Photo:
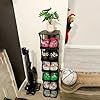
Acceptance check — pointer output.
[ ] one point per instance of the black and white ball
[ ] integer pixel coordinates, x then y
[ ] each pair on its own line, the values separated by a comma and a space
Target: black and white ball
68, 77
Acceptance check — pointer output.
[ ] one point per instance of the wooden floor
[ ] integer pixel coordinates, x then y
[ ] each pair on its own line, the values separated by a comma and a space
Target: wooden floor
37, 96
65, 96
82, 94
61, 96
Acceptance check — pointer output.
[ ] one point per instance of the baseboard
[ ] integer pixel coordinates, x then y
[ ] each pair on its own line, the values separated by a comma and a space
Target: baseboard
83, 46
11, 73
23, 85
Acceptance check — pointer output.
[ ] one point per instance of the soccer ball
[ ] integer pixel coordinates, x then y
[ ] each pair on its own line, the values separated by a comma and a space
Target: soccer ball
68, 77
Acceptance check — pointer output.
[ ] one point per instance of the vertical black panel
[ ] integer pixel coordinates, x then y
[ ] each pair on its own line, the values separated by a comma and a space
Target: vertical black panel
9, 39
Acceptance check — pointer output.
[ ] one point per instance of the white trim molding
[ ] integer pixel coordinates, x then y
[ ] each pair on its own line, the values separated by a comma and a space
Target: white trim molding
10, 70
23, 85
83, 46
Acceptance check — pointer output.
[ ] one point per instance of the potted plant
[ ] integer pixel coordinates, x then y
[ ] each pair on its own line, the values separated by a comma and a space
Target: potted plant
49, 16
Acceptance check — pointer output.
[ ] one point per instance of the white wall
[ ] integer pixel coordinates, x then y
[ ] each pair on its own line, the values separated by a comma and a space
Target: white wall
29, 24
82, 60
87, 27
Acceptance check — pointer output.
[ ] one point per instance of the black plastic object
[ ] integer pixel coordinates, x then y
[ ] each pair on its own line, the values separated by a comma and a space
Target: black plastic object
49, 45
6, 99
32, 85
20, 98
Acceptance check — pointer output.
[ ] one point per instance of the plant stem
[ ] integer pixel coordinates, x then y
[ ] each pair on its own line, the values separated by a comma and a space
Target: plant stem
50, 21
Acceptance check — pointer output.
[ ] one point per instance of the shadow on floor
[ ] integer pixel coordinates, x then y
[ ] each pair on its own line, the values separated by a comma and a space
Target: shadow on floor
20, 99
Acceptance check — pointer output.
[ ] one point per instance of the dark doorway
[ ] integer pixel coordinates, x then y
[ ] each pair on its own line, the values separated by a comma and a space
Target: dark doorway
9, 39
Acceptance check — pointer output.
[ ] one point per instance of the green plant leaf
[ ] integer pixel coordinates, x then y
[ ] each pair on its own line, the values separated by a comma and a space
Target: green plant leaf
49, 16
47, 9
56, 15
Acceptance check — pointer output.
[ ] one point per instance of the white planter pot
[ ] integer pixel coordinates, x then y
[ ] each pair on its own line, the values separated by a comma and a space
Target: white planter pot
50, 27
